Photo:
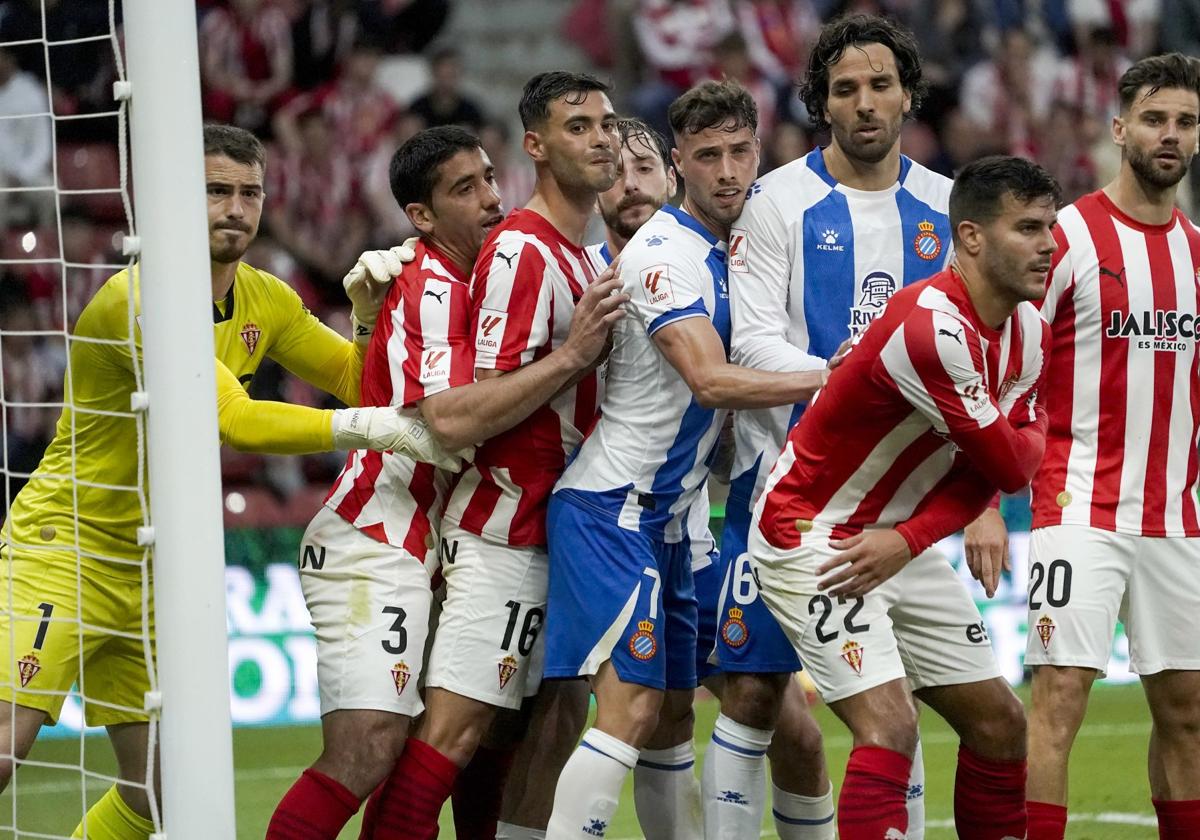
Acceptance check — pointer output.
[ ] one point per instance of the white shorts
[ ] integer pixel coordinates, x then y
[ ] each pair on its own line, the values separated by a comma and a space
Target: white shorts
922, 623
488, 643
1082, 580
370, 606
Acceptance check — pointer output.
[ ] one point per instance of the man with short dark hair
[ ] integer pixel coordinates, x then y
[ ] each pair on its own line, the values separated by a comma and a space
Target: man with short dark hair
932, 410
622, 608
1116, 529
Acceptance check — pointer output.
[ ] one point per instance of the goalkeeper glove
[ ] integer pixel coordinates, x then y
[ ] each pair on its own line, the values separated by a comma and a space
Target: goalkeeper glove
367, 284
383, 429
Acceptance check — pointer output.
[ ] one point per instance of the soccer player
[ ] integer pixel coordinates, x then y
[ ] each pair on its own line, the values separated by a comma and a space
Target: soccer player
1116, 532
70, 552
932, 410
376, 536
822, 244
526, 281
622, 608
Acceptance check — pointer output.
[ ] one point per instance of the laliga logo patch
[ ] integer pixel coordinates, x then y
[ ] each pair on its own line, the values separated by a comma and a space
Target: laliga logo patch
28, 667
734, 631
656, 285
927, 244
507, 667
1045, 630
435, 364
400, 676
490, 332
250, 334
852, 652
739, 250
642, 644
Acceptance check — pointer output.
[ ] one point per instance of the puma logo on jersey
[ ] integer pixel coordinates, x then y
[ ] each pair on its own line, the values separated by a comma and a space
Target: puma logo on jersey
507, 259
439, 295
1119, 276
957, 336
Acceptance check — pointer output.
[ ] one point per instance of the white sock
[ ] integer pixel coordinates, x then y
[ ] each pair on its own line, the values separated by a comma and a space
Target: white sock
916, 796
589, 787
734, 781
508, 831
667, 794
802, 817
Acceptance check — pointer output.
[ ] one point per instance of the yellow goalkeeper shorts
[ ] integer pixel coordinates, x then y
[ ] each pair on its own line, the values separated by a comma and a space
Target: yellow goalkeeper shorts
64, 624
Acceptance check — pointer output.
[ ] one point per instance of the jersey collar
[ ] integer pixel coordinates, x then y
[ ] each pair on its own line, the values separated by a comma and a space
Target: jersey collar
690, 223
221, 317
816, 162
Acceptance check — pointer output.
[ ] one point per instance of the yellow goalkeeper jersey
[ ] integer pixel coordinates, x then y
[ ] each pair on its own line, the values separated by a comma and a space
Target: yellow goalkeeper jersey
85, 490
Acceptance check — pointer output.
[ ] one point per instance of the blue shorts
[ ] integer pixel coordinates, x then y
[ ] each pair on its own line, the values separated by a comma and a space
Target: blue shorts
748, 638
618, 595
708, 595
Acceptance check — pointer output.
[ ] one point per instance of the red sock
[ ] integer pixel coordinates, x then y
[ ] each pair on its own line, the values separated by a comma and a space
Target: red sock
478, 792
989, 797
408, 803
316, 807
1046, 821
874, 794
1178, 819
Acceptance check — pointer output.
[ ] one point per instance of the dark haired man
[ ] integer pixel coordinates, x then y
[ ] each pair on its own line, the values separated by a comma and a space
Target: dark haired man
376, 535
72, 553
527, 280
622, 604
932, 410
1116, 530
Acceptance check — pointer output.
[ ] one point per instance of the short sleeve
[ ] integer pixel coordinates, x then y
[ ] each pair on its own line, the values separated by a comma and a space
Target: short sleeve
663, 291
511, 304
430, 348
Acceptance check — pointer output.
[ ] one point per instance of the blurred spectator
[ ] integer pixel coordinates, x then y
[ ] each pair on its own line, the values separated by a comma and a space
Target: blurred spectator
390, 225
403, 25
514, 172
777, 34
25, 144
1088, 80
323, 33
1133, 22
358, 111
313, 205
950, 38
789, 142
960, 144
246, 62
1063, 147
732, 61
1007, 96
445, 103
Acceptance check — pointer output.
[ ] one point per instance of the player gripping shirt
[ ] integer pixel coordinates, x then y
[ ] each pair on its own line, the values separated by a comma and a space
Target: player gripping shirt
812, 263
54, 523
526, 282
368, 560
908, 434
621, 582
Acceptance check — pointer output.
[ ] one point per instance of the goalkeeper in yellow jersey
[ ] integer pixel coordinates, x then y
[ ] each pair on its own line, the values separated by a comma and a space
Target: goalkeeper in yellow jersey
77, 600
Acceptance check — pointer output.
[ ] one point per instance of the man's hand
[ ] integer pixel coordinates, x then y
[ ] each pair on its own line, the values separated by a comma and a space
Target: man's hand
595, 314
367, 284
384, 429
839, 355
985, 543
870, 558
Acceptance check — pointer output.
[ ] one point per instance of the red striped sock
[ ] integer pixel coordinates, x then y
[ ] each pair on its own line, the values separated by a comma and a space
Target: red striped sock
873, 801
989, 797
1178, 819
478, 793
1046, 821
316, 807
408, 803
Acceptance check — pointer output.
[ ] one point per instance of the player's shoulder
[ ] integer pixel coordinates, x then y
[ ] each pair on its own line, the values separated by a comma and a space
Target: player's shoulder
107, 313
522, 239
925, 185
791, 188
669, 236
264, 297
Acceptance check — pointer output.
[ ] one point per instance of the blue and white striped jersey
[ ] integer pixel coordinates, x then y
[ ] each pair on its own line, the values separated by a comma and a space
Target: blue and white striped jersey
649, 453
811, 263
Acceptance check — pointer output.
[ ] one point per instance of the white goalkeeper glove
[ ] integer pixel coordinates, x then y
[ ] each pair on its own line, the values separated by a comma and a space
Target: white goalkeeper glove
367, 284
383, 429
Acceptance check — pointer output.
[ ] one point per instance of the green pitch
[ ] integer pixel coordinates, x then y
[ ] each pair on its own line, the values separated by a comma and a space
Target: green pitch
1110, 796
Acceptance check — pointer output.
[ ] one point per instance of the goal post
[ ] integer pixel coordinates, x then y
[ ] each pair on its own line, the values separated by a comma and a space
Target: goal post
182, 441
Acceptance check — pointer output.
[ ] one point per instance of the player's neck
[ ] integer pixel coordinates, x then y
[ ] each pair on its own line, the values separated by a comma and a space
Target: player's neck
859, 174
222, 278
1140, 201
991, 306
616, 242
712, 225
461, 257
568, 212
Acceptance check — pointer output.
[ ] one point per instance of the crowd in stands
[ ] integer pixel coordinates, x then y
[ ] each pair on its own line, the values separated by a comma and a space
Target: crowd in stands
335, 86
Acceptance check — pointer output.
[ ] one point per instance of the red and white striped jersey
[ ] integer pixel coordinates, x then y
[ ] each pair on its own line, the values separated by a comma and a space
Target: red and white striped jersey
524, 288
882, 440
1124, 374
421, 346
